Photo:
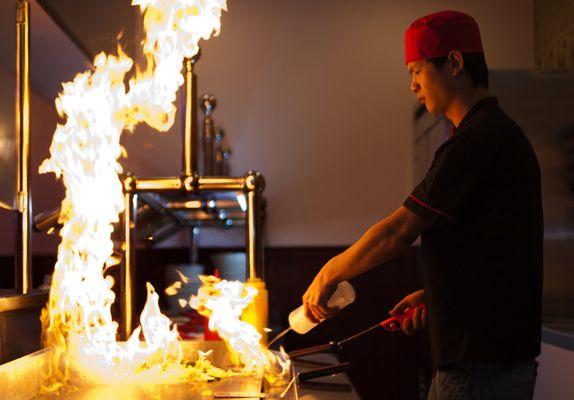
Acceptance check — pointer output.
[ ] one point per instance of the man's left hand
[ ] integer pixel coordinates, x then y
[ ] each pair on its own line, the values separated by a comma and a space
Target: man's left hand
419, 319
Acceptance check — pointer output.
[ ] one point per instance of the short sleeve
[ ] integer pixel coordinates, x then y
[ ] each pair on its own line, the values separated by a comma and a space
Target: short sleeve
455, 174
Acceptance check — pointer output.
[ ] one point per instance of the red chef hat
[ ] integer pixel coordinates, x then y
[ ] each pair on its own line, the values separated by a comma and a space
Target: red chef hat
435, 35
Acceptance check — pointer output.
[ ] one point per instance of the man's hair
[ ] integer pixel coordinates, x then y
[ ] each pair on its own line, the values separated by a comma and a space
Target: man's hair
474, 65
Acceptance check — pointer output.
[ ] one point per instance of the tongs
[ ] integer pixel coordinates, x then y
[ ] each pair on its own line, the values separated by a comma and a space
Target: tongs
392, 324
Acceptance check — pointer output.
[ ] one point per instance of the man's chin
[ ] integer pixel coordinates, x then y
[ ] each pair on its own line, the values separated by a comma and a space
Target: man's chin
433, 110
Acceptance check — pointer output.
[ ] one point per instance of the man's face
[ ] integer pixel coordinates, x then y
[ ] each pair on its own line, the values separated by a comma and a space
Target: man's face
431, 85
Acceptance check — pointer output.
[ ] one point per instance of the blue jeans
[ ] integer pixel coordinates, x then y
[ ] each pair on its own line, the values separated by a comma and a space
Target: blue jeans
484, 381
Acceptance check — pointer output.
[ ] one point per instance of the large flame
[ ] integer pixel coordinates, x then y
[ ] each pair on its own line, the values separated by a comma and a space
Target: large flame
223, 302
97, 108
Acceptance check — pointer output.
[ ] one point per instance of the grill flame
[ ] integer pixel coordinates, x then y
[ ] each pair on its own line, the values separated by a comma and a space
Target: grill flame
223, 302
97, 107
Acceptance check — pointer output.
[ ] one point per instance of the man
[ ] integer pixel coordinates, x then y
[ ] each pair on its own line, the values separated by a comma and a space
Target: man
478, 212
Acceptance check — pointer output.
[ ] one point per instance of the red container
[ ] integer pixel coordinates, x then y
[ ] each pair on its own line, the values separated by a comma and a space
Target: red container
208, 334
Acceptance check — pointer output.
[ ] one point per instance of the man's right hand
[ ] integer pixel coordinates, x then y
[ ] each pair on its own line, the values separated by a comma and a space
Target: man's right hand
380, 243
319, 292
419, 319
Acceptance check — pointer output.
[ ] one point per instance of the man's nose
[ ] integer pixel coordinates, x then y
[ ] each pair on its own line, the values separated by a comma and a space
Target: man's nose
414, 86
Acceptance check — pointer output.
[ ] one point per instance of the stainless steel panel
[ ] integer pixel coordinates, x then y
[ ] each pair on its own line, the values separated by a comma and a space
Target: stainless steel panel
96, 28
8, 154
8, 138
22, 380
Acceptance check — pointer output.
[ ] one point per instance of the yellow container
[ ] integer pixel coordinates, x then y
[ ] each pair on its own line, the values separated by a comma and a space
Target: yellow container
257, 312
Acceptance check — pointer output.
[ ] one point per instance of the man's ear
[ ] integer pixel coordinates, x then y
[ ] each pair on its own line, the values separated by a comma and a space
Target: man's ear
456, 62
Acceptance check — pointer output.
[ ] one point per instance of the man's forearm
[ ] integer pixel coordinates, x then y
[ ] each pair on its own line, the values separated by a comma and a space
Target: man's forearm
379, 244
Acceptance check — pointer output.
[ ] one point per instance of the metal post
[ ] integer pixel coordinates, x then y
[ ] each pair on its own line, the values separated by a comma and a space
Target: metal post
23, 265
190, 145
194, 244
254, 185
127, 272
207, 105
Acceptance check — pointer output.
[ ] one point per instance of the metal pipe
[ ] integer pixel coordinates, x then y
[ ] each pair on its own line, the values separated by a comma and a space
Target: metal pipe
127, 271
160, 206
223, 184
158, 184
163, 233
194, 244
216, 218
226, 153
254, 184
208, 105
203, 184
199, 204
218, 152
196, 204
23, 265
47, 220
190, 145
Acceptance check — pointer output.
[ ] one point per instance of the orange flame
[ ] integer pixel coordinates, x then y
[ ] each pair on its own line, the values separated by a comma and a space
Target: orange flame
85, 150
223, 302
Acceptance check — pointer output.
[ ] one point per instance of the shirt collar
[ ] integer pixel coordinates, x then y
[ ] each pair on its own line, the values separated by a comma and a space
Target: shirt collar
475, 110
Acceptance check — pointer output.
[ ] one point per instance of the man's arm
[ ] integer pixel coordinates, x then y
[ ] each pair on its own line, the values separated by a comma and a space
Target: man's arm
380, 243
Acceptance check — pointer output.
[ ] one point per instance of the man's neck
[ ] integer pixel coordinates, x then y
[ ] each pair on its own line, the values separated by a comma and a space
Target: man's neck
462, 103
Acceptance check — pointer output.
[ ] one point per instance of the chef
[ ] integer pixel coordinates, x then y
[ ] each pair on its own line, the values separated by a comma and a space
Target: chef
478, 212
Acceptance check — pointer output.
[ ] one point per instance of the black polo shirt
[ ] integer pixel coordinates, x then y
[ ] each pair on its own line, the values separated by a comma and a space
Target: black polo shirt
482, 255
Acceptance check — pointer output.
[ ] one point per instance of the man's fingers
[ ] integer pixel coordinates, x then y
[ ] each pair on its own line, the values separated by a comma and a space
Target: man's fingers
318, 313
408, 326
309, 314
312, 314
417, 322
328, 312
424, 317
400, 307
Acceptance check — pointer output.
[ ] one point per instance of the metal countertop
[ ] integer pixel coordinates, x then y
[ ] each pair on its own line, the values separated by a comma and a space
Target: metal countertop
334, 387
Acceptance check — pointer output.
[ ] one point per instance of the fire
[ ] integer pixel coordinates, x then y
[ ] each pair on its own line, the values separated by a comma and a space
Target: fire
223, 302
97, 107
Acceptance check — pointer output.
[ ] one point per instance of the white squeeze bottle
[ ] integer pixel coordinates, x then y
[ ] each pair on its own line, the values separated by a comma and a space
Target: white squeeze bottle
342, 297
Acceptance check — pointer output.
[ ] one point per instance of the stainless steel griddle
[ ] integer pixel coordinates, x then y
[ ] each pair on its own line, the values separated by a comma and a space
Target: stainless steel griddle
22, 380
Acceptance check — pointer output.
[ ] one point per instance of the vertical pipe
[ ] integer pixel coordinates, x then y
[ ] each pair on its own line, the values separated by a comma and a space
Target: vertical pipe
208, 147
257, 312
208, 105
127, 273
252, 234
218, 153
194, 245
190, 147
23, 265
254, 186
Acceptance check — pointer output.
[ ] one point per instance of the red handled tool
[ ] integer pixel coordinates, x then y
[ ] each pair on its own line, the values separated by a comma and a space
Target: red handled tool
392, 324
